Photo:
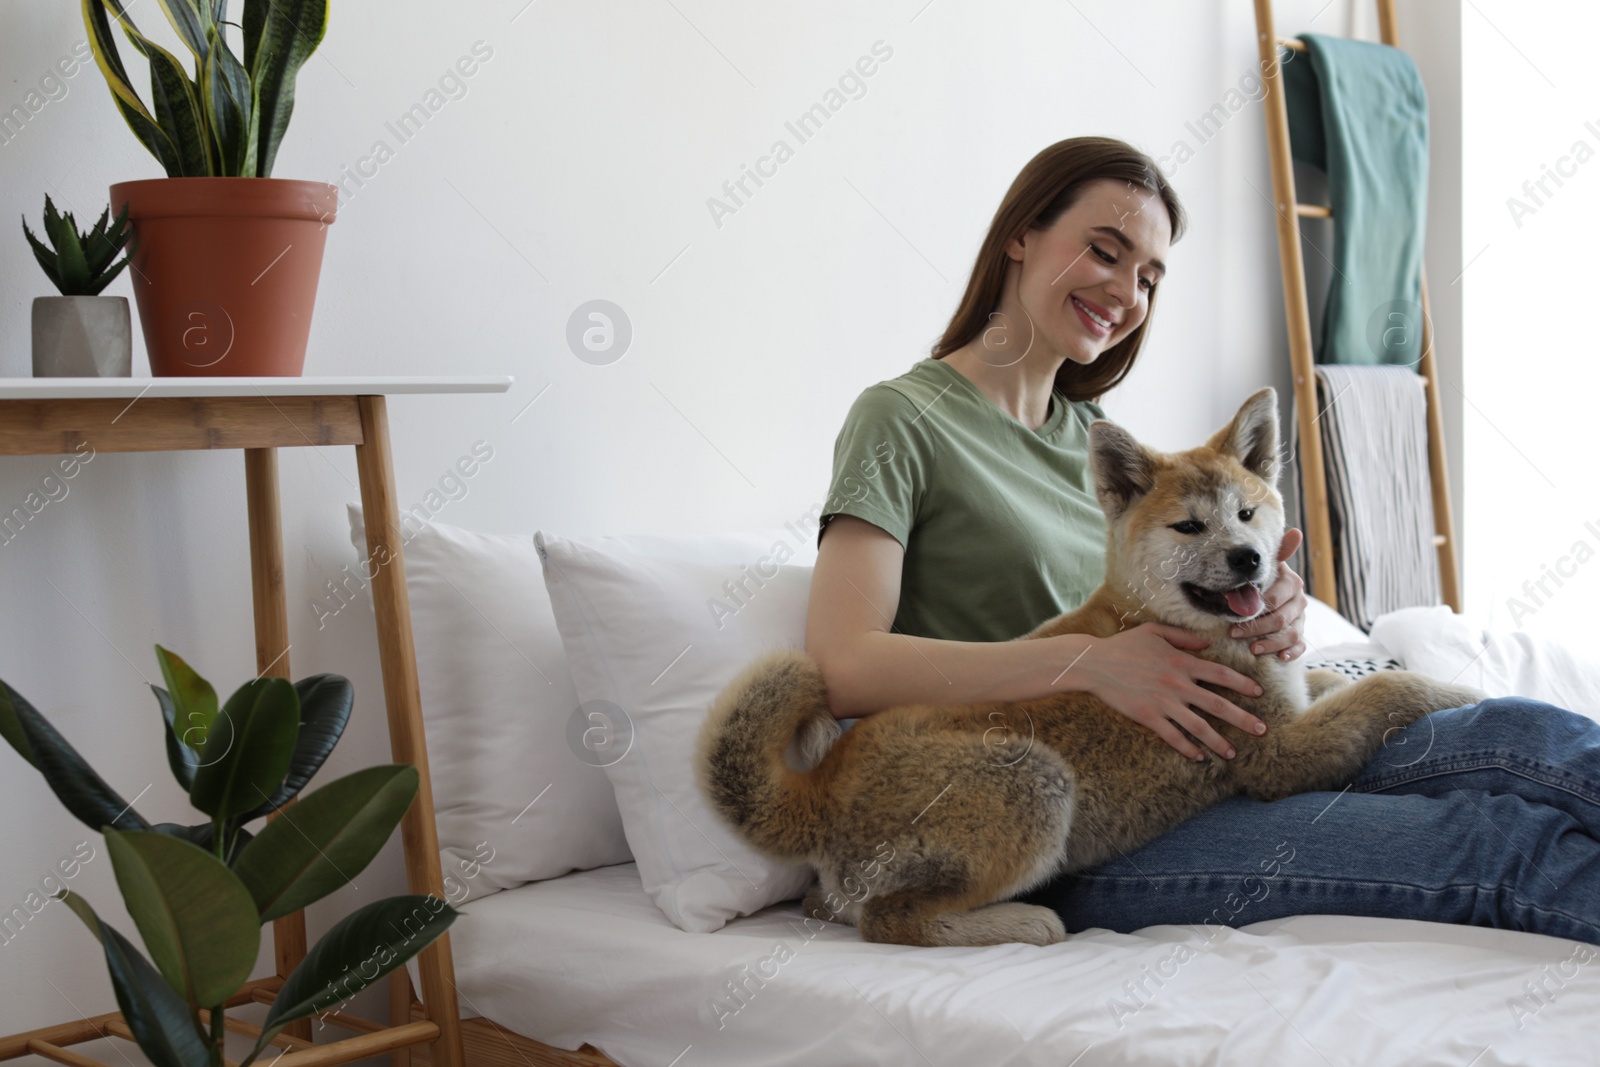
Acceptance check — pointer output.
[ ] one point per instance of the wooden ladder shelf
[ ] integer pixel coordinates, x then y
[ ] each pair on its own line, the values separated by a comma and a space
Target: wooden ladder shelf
1289, 210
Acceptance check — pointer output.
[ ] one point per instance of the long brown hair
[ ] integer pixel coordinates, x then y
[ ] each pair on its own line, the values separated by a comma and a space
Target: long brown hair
1045, 188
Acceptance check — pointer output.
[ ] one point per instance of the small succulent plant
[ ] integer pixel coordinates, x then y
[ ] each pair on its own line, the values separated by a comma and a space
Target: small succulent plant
81, 263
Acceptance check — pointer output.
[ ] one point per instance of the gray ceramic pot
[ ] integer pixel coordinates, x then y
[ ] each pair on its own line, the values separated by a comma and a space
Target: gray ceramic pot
82, 337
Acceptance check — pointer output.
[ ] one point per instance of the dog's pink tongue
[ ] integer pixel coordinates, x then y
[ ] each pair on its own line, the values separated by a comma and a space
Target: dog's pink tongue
1244, 601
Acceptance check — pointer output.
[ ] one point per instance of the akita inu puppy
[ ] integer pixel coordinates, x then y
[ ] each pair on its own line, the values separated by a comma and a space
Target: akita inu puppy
923, 820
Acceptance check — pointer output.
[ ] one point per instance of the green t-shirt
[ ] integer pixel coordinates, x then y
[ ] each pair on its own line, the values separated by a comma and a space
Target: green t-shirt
1000, 524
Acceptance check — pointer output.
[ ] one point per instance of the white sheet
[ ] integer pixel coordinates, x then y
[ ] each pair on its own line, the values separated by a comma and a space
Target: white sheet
1442, 644
588, 957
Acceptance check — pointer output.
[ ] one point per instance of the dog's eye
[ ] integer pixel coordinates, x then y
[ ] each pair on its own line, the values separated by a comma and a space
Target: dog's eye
1189, 526
1247, 514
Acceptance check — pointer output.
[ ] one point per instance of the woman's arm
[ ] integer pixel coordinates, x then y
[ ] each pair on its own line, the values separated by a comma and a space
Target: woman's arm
855, 591
1142, 673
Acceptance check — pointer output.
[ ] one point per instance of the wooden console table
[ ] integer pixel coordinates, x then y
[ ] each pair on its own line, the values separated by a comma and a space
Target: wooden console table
260, 415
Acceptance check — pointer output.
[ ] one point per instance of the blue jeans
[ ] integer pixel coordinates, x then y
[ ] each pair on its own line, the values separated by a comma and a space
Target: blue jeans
1485, 815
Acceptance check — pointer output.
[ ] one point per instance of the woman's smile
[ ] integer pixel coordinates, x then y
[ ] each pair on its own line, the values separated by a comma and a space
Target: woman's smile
1096, 319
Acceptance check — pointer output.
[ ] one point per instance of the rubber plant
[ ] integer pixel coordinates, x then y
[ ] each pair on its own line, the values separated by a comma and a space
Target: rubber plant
227, 117
200, 893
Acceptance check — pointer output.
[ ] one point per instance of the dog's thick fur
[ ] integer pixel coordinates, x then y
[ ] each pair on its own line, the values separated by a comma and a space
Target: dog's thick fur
923, 820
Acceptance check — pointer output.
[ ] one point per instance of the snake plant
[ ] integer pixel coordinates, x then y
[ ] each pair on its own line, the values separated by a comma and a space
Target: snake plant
80, 264
229, 117
200, 894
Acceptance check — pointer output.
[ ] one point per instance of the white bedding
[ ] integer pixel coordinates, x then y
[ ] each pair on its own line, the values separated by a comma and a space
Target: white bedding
589, 957
1440, 643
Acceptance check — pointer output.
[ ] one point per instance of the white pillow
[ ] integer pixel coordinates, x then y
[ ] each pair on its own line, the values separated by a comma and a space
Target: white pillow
496, 698
1441, 644
516, 798
650, 643
1325, 628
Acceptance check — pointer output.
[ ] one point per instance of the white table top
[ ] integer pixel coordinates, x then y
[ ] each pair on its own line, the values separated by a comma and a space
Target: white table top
85, 388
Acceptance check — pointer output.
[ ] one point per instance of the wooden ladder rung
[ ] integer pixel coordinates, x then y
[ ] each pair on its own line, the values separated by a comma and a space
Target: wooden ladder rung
62, 1055
1293, 43
1313, 211
356, 1048
117, 1028
1440, 539
239, 1026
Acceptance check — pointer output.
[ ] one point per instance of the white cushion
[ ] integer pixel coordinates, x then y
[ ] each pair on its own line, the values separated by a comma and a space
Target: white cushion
1324, 628
496, 698
650, 643
1441, 644
514, 799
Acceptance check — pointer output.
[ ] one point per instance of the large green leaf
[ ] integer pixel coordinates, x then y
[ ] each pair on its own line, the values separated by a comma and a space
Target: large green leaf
198, 920
190, 23
226, 98
279, 36
177, 108
140, 121
203, 835
160, 1020
193, 699
189, 708
80, 790
355, 953
180, 757
246, 752
253, 22
325, 703
319, 844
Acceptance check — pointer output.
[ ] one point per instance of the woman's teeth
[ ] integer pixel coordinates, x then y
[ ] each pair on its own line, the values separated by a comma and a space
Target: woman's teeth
1102, 322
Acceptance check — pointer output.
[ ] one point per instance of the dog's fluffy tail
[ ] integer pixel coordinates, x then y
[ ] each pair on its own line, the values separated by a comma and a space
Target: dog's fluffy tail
741, 759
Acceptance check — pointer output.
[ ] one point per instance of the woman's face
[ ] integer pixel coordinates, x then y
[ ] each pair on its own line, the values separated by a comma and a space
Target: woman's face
1086, 280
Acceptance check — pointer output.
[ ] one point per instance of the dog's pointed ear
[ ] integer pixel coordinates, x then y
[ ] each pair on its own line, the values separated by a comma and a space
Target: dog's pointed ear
1124, 470
1252, 436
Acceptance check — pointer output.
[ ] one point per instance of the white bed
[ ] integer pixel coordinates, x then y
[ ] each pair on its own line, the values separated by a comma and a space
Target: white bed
644, 966
588, 957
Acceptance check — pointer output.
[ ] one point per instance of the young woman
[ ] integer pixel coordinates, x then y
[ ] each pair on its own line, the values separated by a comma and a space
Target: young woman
962, 514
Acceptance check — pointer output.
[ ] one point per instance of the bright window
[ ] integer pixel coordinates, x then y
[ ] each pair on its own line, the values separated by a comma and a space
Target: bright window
1531, 380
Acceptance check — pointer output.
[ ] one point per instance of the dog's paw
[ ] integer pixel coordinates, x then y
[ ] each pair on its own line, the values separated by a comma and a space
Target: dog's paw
1320, 680
1455, 695
1042, 929
1000, 924
815, 905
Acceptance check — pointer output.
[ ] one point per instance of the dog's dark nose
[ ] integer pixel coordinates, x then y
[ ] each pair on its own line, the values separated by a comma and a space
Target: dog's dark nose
1244, 559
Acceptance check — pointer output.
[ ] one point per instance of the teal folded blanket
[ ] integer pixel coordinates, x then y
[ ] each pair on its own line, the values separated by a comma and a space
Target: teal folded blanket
1359, 112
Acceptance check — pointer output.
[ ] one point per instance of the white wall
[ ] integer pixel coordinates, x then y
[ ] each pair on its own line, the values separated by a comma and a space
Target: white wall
577, 166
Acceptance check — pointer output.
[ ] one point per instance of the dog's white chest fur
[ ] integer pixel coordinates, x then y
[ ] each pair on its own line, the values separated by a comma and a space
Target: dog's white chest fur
1284, 682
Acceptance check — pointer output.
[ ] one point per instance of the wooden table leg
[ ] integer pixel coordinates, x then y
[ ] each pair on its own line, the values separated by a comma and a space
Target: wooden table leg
272, 651
392, 605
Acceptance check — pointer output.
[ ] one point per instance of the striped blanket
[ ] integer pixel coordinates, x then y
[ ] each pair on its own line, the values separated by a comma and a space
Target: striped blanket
1373, 425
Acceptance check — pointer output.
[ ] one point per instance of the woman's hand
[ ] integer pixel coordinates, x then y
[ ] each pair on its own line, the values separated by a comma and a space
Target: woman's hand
1146, 674
1278, 626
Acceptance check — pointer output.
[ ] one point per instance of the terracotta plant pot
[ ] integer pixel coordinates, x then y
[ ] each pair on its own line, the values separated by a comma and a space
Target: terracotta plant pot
226, 271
